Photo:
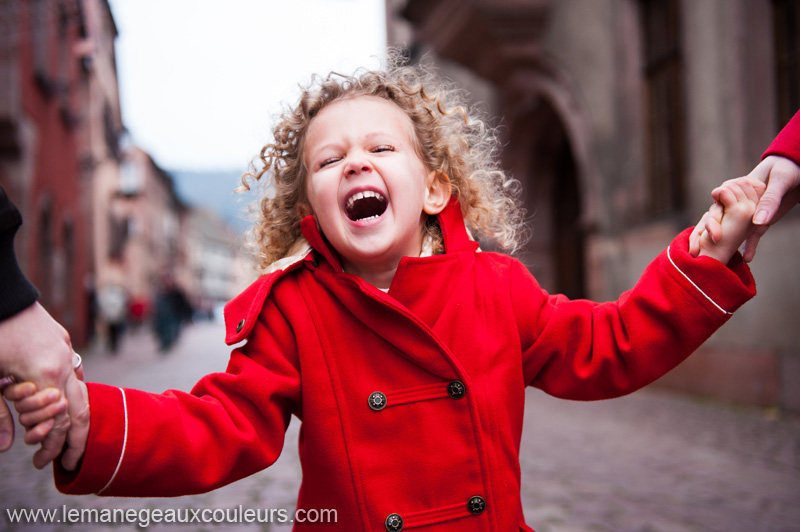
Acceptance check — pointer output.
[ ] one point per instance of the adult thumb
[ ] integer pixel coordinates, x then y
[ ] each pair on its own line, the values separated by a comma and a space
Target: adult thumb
767, 207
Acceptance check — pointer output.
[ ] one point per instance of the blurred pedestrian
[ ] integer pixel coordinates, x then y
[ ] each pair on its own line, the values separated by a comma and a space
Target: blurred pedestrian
112, 303
172, 310
138, 311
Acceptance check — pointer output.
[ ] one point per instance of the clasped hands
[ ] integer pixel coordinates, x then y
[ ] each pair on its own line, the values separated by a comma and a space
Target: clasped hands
37, 349
782, 178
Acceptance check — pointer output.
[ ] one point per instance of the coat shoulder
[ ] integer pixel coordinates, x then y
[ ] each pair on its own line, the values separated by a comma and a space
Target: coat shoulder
242, 311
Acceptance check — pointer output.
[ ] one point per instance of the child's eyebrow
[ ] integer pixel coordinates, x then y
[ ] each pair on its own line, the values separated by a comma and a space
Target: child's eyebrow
329, 145
391, 137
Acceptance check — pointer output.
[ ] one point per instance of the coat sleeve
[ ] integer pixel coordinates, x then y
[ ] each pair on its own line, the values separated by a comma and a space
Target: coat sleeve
787, 143
584, 350
231, 425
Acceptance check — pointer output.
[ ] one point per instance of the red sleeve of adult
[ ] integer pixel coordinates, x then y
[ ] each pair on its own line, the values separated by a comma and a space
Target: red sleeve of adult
787, 143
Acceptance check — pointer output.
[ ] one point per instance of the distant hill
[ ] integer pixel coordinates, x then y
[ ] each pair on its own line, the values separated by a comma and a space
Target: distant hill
214, 191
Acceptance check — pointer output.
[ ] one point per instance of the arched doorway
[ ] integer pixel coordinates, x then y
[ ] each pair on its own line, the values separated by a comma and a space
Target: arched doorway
556, 252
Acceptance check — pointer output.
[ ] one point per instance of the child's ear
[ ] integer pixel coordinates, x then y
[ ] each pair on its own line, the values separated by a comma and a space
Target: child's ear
437, 194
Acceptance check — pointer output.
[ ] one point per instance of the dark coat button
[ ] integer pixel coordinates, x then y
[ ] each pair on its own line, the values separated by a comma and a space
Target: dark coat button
377, 401
394, 523
476, 505
239, 326
456, 389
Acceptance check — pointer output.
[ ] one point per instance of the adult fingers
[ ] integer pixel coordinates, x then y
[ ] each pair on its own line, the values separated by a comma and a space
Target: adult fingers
53, 443
6, 427
750, 192
15, 392
716, 191
751, 242
38, 433
78, 398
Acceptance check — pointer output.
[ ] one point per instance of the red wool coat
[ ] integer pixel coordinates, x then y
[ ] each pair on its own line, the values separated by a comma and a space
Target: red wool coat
411, 402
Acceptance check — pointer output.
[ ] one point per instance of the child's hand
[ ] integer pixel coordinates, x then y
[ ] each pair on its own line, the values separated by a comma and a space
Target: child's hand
37, 410
710, 225
729, 221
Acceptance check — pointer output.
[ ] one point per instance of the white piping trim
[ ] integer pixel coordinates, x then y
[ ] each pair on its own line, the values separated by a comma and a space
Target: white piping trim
124, 443
697, 287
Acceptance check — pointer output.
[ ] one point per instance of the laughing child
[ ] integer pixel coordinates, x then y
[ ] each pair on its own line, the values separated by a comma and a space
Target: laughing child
402, 347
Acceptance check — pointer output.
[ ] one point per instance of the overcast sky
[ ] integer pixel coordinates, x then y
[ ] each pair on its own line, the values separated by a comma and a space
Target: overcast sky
201, 79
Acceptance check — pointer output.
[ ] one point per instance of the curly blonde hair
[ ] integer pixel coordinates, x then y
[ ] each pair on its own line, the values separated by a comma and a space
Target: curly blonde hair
448, 139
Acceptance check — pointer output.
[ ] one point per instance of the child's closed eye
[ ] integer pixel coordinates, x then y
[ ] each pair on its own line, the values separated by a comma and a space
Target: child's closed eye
329, 160
377, 149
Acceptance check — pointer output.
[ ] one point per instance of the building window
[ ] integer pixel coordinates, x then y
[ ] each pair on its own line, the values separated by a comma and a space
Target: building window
663, 82
41, 22
786, 21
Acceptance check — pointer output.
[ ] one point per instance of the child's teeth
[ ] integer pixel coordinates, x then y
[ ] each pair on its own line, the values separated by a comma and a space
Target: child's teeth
355, 197
360, 195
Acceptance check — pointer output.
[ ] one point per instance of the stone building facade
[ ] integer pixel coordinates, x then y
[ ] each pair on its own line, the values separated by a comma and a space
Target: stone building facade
100, 216
619, 117
44, 83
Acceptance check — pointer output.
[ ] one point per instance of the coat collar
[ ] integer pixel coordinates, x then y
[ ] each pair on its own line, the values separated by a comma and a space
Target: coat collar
241, 312
455, 234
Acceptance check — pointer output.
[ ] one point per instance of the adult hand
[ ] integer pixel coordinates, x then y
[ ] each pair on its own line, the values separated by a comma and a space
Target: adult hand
36, 348
782, 177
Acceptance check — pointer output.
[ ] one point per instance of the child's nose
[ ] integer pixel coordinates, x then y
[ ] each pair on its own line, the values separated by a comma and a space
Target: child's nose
357, 166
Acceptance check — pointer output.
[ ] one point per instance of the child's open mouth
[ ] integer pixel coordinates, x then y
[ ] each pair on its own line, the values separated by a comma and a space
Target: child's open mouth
365, 205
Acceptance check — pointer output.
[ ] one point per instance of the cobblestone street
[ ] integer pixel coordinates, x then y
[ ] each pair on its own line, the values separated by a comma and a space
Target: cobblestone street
650, 462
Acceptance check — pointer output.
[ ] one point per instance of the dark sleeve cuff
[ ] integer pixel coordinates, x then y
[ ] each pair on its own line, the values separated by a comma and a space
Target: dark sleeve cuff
16, 292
